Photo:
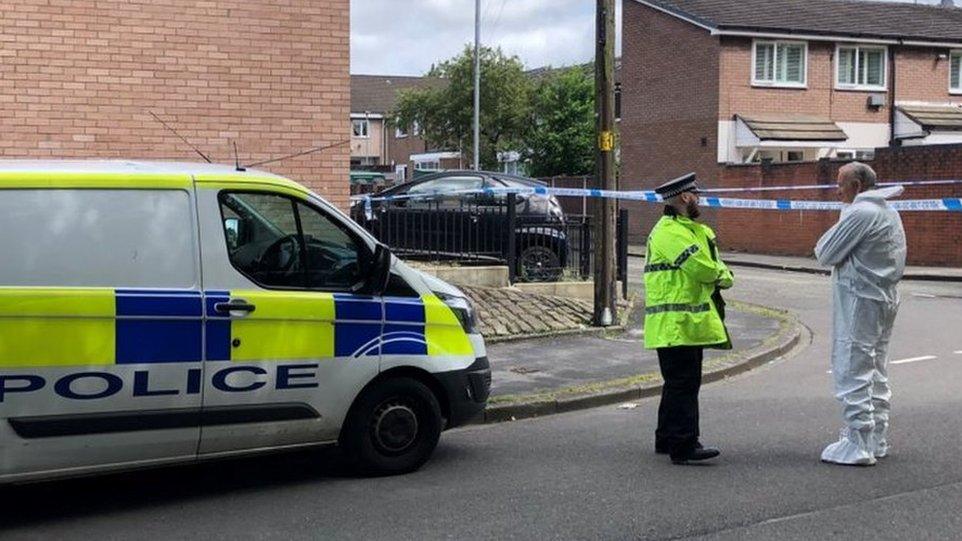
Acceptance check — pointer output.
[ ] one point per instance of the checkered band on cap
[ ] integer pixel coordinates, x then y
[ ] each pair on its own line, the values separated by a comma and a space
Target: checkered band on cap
680, 185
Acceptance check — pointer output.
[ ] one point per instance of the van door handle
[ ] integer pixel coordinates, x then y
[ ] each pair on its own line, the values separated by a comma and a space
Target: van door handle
234, 305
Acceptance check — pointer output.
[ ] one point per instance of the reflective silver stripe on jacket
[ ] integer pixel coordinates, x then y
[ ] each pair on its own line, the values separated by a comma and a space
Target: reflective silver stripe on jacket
692, 308
690, 251
656, 267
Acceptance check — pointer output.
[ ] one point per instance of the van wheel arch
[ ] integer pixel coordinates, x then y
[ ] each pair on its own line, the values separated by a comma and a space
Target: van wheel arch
418, 374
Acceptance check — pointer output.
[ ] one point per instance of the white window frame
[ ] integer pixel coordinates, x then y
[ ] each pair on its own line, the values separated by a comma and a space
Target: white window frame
957, 89
362, 122
859, 87
775, 83
415, 128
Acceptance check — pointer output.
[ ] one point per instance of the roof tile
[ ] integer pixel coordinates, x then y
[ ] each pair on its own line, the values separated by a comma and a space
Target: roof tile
856, 18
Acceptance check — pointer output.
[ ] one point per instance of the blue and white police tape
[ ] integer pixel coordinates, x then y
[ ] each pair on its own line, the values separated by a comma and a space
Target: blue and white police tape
914, 183
931, 205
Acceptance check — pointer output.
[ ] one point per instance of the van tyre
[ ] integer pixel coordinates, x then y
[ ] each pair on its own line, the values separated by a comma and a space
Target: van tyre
392, 428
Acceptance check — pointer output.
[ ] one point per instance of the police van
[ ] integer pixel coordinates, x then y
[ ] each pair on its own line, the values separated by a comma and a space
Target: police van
155, 313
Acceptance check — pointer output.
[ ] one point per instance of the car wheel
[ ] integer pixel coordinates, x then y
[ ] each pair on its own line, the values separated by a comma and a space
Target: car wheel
539, 264
392, 428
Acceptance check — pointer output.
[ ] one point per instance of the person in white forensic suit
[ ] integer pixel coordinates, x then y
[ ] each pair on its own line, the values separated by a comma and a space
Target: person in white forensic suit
866, 249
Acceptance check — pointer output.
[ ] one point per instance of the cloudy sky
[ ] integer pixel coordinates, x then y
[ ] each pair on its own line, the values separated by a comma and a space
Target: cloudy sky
404, 37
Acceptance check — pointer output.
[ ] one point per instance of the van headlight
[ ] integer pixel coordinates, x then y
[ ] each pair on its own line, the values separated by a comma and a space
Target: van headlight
463, 310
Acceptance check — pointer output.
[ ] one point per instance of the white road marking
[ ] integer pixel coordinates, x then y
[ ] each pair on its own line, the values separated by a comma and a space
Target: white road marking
959, 352
924, 295
915, 359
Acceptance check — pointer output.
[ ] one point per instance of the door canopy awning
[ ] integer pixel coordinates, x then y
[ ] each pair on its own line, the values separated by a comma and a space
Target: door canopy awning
787, 131
934, 117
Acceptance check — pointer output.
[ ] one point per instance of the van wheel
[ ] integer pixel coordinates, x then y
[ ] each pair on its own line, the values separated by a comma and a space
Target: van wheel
392, 428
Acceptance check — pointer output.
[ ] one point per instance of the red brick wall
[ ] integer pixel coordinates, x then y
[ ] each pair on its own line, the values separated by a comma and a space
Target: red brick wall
669, 104
77, 79
399, 150
738, 96
920, 75
934, 238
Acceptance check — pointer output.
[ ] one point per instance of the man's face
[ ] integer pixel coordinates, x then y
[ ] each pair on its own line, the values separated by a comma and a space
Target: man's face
847, 186
690, 199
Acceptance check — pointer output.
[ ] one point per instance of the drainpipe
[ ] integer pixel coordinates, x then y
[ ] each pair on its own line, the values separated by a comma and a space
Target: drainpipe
892, 141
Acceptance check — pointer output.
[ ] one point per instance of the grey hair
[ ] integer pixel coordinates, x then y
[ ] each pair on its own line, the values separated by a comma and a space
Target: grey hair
864, 174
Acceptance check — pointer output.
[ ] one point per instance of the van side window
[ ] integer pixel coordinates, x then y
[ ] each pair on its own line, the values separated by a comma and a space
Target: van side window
332, 255
97, 238
278, 242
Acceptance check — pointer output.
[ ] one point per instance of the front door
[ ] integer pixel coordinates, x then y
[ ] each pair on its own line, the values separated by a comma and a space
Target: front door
288, 344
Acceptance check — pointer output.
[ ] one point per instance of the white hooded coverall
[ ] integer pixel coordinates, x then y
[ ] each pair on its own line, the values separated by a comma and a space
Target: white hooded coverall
867, 250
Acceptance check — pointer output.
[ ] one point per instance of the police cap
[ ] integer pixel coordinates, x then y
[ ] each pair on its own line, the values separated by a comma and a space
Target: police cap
680, 185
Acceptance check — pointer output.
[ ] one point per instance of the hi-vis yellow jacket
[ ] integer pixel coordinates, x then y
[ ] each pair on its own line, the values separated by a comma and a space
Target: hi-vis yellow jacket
682, 271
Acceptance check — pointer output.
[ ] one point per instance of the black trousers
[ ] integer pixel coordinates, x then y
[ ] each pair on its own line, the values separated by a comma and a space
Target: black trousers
678, 412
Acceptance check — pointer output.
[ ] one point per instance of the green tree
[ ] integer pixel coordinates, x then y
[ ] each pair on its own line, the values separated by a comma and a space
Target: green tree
444, 110
561, 135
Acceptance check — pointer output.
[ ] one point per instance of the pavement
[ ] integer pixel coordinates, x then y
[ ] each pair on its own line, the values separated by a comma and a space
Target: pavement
546, 365
592, 474
809, 265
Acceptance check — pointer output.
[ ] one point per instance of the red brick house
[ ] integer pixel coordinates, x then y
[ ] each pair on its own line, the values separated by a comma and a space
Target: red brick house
79, 78
710, 83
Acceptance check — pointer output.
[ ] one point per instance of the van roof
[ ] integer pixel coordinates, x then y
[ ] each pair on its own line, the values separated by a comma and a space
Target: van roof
123, 171
126, 167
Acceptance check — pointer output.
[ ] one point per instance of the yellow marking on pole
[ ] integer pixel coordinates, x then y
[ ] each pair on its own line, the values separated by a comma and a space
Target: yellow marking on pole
606, 141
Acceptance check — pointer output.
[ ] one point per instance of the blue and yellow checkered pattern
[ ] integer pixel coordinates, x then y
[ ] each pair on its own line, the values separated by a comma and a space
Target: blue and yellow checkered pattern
83, 327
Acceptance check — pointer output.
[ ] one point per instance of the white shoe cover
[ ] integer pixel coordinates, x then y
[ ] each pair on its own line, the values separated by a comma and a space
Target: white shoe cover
852, 449
880, 444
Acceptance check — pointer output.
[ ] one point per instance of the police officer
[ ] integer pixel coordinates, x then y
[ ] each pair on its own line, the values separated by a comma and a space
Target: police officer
683, 315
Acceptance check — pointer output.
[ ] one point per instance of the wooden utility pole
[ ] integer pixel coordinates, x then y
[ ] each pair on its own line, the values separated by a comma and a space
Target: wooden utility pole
605, 209
477, 85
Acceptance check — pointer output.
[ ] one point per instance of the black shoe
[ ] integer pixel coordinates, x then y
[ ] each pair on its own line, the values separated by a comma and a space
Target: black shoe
695, 455
664, 449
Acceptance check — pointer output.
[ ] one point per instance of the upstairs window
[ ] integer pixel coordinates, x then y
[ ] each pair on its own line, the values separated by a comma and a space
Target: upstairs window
861, 68
779, 63
400, 130
955, 72
360, 128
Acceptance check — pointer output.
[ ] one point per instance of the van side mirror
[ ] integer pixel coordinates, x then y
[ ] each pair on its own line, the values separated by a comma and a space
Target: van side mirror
232, 229
379, 272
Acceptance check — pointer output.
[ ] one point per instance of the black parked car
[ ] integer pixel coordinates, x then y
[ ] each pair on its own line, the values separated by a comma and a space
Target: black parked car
444, 222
